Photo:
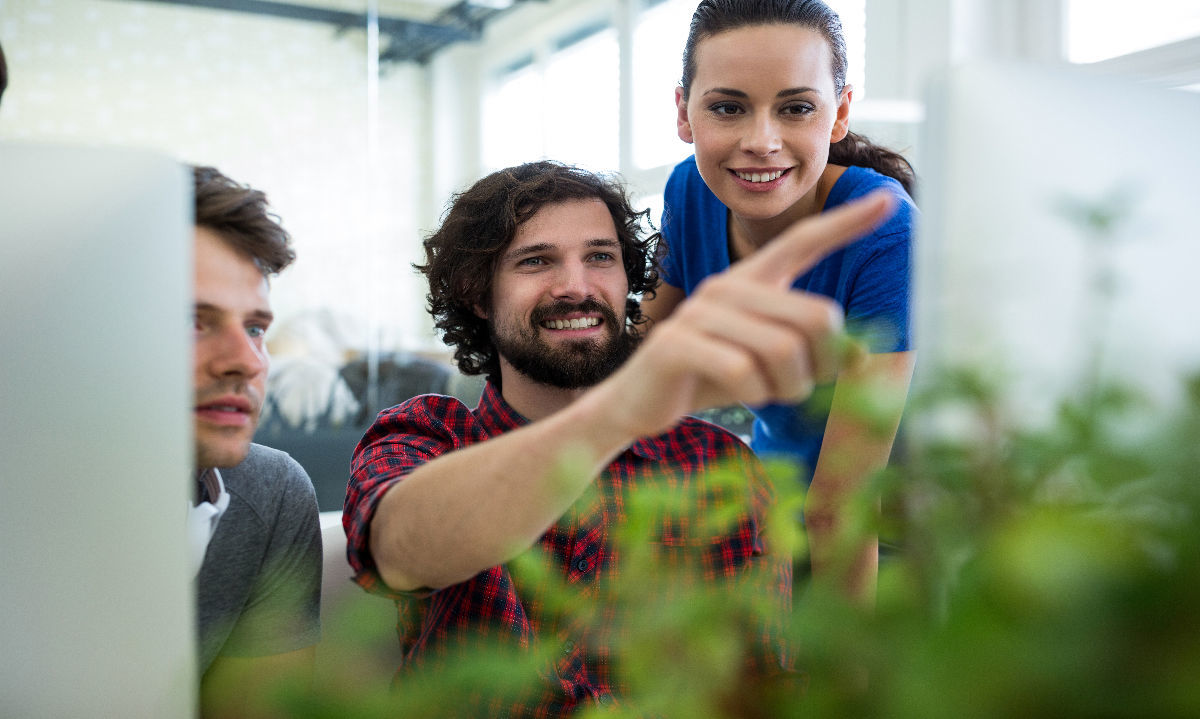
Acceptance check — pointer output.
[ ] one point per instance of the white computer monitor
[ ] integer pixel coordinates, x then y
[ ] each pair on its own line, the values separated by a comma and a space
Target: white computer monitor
1013, 157
95, 439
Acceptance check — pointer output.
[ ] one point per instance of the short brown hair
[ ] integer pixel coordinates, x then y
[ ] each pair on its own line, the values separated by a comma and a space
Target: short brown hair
240, 215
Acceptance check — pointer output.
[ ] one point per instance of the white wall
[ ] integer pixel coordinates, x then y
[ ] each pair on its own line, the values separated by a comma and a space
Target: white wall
279, 104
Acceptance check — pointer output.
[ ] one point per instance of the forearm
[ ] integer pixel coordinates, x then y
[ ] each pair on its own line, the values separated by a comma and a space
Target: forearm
658, 308
480, 506
842, 552
840, 520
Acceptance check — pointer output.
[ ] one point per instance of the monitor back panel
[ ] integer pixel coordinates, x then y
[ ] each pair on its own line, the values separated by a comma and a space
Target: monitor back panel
1059, 239
95, 448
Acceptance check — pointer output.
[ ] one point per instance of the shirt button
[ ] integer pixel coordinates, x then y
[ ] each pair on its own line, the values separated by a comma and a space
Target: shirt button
581, 565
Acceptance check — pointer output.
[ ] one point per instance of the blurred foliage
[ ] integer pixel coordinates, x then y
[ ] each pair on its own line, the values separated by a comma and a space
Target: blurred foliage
1035, 572
1042, 573
1048, 573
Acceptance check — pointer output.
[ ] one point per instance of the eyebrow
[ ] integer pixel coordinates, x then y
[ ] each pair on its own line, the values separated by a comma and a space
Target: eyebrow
265, 316
528, 250
603, 242
782, 93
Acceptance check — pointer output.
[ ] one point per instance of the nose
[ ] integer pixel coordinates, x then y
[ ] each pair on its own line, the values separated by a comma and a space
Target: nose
571, 282
762, 137
233, 352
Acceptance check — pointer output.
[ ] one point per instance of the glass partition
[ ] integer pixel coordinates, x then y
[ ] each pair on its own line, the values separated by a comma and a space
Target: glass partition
294, 108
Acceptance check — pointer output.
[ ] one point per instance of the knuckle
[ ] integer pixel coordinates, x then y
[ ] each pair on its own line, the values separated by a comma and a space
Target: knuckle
783, 347
828, 316
738, 369
714, 286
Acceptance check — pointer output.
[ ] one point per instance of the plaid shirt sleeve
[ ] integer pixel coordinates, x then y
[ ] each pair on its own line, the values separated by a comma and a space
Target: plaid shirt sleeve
401, 439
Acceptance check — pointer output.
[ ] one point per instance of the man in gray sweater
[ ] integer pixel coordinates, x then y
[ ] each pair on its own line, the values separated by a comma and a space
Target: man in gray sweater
254, 527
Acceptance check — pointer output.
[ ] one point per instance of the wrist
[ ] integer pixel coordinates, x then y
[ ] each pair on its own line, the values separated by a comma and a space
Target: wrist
603, 419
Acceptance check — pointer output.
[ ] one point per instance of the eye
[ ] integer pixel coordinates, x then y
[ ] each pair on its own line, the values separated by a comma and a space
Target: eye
531, 262
604, 257
256, 331
798, 109
725, 108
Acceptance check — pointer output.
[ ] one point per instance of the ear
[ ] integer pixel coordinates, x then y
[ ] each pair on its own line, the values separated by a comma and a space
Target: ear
841, 124
682, 126
480, 312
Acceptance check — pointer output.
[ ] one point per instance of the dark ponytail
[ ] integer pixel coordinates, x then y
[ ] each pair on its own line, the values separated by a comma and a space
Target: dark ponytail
854, 149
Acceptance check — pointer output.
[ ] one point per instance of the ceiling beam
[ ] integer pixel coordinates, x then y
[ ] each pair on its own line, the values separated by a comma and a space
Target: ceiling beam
410, 40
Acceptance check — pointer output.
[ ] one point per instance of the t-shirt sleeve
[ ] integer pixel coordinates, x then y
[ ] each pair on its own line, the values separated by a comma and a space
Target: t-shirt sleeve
671, 224
875, 275
401, 439
878, 308
693, 229
283, 611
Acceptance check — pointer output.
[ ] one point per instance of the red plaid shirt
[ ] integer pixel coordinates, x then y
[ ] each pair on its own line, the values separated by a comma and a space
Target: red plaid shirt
498, 604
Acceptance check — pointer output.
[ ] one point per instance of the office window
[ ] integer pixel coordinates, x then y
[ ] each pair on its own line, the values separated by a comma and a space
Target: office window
854, 27
658, 40
583, 102
565, 107
513, 116
1102, 29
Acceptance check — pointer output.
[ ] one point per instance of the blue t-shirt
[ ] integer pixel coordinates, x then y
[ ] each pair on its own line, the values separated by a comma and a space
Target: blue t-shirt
869, 279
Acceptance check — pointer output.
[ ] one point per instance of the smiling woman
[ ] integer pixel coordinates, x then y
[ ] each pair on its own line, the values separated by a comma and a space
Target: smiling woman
773, 146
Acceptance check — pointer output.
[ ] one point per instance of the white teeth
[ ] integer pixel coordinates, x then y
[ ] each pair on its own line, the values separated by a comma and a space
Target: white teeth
760, 176
576, 324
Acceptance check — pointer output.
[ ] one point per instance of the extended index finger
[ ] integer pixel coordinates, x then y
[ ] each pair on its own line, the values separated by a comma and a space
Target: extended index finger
805, 243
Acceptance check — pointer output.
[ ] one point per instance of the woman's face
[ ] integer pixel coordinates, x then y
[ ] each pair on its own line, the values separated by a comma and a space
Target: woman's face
762, 113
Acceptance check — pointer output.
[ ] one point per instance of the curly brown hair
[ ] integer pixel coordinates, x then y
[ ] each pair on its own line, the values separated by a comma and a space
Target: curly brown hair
241, 217
461, 256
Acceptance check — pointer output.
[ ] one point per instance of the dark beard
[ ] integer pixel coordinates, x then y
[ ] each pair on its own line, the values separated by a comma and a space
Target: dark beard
572, 365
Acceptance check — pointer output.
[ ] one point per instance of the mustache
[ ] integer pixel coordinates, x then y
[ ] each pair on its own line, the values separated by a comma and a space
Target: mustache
545, 312
215, 390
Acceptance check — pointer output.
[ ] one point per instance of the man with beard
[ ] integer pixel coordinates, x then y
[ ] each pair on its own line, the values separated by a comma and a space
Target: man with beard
532, 278
254, 528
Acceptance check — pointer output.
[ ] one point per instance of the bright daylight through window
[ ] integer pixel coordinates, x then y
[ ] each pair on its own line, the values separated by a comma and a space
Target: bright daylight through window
567, 106
1102, 29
